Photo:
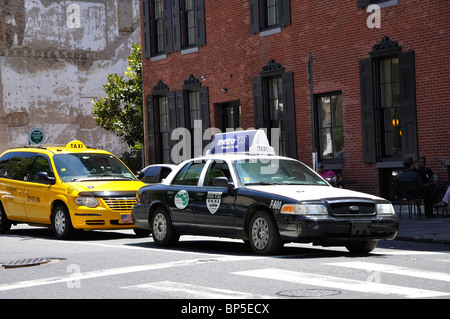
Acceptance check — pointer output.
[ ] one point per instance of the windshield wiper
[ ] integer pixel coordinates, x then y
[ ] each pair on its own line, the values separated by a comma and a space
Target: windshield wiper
262, 183
101, 177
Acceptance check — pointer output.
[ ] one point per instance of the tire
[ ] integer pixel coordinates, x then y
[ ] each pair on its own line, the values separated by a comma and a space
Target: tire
5, 223
362, 247
61, 223
164, 234
263, 234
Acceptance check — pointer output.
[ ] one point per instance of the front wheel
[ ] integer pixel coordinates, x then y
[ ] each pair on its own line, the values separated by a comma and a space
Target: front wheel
362, 247
61, 223
263, 233
163, 232
5, 223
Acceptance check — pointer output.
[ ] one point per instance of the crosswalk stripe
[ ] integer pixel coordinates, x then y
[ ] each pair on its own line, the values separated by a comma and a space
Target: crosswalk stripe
396, 270
194, 291
340, 283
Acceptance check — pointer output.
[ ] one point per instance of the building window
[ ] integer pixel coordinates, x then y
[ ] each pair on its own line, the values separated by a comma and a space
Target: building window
268, 14
330, 126
164, 128
158, 10
274, 97
389, 93
172, 25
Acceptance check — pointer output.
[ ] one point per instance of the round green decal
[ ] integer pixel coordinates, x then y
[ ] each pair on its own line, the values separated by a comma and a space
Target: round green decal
181, 199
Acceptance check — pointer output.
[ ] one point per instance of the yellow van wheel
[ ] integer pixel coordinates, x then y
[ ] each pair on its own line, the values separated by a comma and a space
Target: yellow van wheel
5, 223
61, 223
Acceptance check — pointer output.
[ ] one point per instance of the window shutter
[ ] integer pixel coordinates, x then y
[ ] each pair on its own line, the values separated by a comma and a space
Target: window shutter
254, 16
362, 3
367, 110
176, 29
200, 22
285, 12
408, 118
146, 27
258, 106
289, 114
151, 130
204, 106
180, 109
168, 27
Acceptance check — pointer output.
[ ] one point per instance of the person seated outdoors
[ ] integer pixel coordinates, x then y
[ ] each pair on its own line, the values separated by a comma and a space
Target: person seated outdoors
445, 200
330, 176
426, 174
409, 174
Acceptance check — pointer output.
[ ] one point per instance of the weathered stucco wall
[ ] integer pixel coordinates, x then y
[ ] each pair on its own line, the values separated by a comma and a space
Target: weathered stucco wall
54, 58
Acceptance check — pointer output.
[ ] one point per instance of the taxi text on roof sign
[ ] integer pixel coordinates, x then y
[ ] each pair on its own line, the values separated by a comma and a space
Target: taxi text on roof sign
250, 141
75, 145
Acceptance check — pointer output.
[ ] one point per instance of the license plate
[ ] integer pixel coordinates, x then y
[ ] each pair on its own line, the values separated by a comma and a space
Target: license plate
126, 219
360, 229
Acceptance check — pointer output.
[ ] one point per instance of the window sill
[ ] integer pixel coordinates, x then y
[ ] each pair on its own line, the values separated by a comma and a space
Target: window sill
158, 57
269, 32
189, 50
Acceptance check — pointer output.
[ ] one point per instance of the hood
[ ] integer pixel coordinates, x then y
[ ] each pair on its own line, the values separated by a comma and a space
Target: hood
107, 186
300, 193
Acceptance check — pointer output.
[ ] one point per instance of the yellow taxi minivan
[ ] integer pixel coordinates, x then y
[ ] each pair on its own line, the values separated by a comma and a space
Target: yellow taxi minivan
66, 188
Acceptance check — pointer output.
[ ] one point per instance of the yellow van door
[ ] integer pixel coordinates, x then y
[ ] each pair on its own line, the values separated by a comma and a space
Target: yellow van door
13, 199
37, 191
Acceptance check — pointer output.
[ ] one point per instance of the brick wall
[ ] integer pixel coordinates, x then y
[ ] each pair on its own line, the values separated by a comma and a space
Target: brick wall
338, 37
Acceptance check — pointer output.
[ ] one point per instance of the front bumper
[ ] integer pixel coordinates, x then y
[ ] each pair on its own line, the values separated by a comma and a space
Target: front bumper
332, 230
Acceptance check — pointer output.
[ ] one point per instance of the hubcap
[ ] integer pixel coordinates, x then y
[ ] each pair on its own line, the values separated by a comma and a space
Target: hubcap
159, 226
60, 222
260, 233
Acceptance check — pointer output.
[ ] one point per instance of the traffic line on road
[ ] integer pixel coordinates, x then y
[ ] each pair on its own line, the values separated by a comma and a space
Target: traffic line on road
340, 283
395, 270
74, 277
182, 290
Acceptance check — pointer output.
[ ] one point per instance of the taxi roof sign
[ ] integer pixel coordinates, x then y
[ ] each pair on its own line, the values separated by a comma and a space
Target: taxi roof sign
75, 145
250, 141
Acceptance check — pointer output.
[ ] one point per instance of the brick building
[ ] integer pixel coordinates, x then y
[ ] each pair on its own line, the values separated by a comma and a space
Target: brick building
380, 79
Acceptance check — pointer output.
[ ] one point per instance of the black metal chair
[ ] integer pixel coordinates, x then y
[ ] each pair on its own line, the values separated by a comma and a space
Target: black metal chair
410, 193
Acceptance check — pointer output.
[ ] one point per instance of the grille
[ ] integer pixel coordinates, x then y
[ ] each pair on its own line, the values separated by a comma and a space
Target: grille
120, 204
352, 208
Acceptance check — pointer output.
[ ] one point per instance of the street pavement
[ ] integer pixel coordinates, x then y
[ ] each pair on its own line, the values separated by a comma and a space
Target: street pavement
419, 228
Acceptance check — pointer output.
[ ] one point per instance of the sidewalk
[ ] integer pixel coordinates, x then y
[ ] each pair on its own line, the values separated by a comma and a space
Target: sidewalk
419, 228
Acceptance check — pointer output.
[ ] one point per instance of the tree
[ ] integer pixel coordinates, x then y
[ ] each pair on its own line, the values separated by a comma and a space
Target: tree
120, 111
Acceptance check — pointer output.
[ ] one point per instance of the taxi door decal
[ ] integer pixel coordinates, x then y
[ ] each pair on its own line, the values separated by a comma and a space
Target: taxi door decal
213, 201
181, 199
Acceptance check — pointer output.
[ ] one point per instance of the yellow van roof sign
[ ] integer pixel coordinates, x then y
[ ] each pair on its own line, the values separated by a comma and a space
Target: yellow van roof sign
75, 145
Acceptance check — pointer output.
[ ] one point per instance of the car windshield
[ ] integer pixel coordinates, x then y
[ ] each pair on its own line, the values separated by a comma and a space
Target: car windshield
275, 171
90, 166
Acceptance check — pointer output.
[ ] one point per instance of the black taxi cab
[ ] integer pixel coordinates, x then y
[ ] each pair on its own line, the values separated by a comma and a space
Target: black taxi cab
242, 190
66, 188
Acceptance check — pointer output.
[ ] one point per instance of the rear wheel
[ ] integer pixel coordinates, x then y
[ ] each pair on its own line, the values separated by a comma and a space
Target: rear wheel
61, 223
163, 231
5, 223
263, 233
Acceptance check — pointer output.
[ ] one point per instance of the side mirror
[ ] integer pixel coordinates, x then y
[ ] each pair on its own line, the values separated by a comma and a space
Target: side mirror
140, 175
222, 182
44, 178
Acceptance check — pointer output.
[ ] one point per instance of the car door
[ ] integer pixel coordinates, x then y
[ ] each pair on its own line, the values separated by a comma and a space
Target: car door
15, 167
37, 192
213, 205
182, 196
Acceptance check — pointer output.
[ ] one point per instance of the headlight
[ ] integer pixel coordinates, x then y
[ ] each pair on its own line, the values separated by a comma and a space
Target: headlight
304, 209
385, 209
86, 201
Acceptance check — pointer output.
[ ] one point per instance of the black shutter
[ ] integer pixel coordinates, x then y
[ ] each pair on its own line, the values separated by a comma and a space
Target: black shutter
254, 16
180, 109
285, 12
258, 105
204, 106
408, 117
362, 3
151, 130
168, 27
146, 28
289, 115
367, 110
176, 29
200, 22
